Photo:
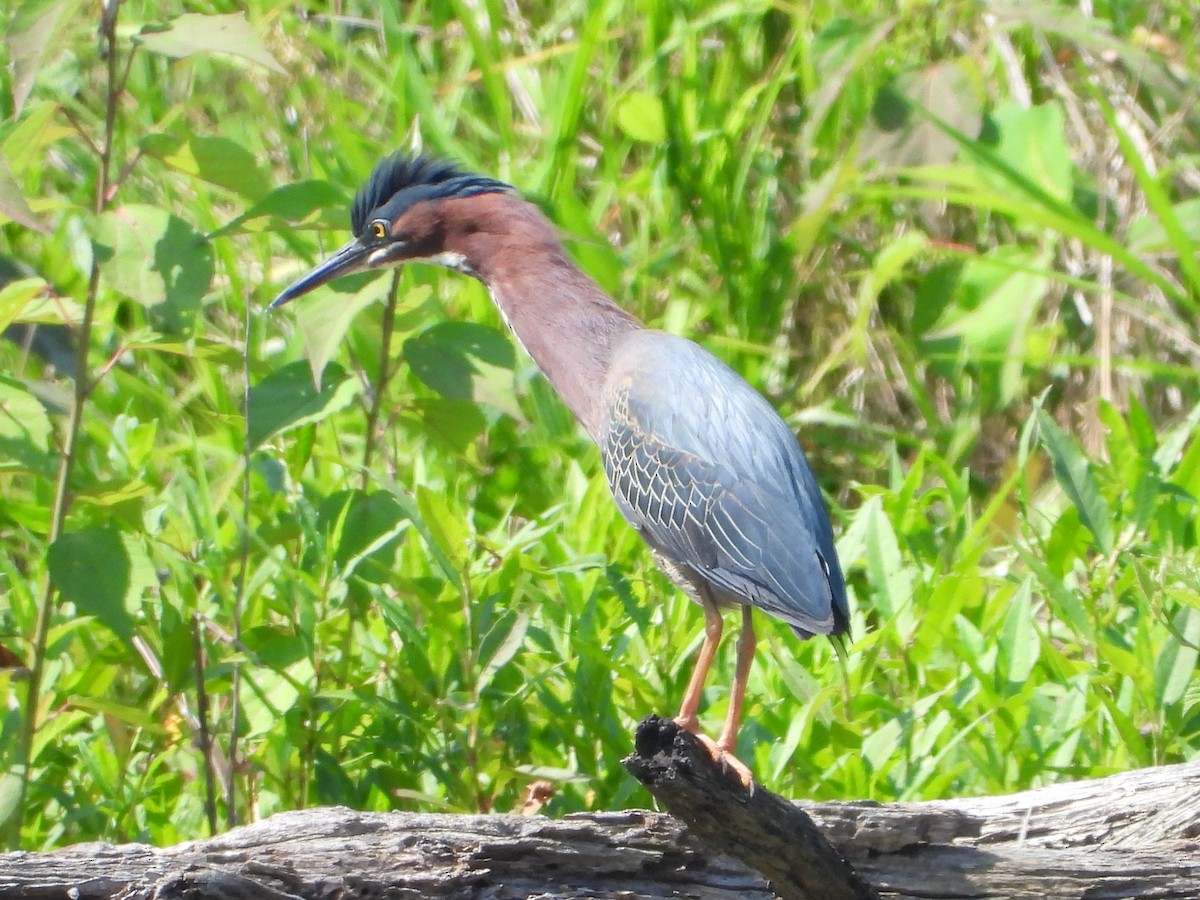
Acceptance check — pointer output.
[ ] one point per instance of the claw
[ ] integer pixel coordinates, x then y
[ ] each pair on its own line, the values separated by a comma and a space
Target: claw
728, 762
721, 755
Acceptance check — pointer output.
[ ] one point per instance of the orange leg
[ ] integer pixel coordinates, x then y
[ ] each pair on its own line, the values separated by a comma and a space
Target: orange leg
727, 742
721, 750
687, 719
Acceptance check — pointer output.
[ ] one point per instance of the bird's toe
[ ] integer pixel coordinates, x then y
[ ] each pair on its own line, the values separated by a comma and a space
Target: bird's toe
725, 759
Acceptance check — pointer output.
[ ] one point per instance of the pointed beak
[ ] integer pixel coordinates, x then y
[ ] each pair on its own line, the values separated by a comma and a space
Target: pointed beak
351, 258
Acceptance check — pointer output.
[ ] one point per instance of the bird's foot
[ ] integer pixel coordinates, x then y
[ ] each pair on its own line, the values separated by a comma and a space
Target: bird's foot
721, 754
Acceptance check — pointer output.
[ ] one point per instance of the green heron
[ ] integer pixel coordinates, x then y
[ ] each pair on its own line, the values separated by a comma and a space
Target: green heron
698, 462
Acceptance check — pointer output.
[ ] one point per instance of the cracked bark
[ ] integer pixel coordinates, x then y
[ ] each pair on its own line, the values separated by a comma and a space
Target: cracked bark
1129, 835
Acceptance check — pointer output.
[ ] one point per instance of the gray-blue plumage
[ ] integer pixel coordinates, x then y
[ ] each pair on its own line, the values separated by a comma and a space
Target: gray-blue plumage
714, 480
698, 462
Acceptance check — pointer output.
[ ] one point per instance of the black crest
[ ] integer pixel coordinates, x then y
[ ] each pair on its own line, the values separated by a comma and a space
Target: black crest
403, 179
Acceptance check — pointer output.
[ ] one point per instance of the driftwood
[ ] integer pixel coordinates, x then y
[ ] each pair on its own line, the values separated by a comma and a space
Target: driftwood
1128, 835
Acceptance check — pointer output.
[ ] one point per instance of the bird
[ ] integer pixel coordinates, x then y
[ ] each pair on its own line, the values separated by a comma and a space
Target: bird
699, 463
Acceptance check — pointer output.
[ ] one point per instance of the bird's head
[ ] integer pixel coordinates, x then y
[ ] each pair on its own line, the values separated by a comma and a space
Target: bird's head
398, 216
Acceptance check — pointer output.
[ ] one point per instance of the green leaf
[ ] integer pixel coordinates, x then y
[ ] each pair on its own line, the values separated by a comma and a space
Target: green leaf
293, 203
435, 522
881, 746
1033, 141
1175, 665
501, 644
872, 538
156, 259
223, 162
137, 716
12, 201
178, 655
640, 115
1174, 439
104, 572
1074, 474
192, 33
10, 791
365, 526
114, 493
288, 397
442, 356
274, 646
16, 297
1148, 233
299, 200
456, 423
898, 135
840, 50
32, 30
25, 145
324, 318
1018, 639
24, 429
995, 298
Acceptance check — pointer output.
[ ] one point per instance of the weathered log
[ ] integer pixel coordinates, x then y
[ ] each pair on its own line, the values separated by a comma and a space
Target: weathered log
769, 834
1127, 835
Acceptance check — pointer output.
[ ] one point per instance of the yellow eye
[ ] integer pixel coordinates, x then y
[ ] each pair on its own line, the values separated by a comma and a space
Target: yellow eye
379, 229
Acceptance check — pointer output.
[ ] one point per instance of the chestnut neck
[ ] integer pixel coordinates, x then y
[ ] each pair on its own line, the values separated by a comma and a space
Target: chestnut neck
565, 321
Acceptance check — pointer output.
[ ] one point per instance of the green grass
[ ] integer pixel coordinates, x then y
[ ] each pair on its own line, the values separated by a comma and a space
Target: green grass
978, 312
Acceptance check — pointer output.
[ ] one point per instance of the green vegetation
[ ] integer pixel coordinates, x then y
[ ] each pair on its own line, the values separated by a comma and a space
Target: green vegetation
956, 247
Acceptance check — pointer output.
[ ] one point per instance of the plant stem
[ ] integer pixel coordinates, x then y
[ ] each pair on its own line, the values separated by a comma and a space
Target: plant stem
205, 736
62, 490
239, 598
385, 374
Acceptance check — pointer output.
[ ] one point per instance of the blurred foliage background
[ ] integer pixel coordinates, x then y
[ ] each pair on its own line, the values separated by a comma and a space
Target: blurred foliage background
954, 243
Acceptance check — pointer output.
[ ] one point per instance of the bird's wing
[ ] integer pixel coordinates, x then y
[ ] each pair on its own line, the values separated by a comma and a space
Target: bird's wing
713, 478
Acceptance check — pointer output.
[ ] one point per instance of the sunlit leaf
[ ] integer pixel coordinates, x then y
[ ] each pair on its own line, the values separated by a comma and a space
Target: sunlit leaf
223, 162
1175, 665
501, 644
137, 716
24, 428
872, 539
114, 493
199, 348
879, 747
640, 115
25, 145
901, 135
294, 203
16, 297
1033, 141
10, 793
13, 204
324, 318
194, 33
994, 299
1018, 639
156, 259
32, 30
1075, 476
